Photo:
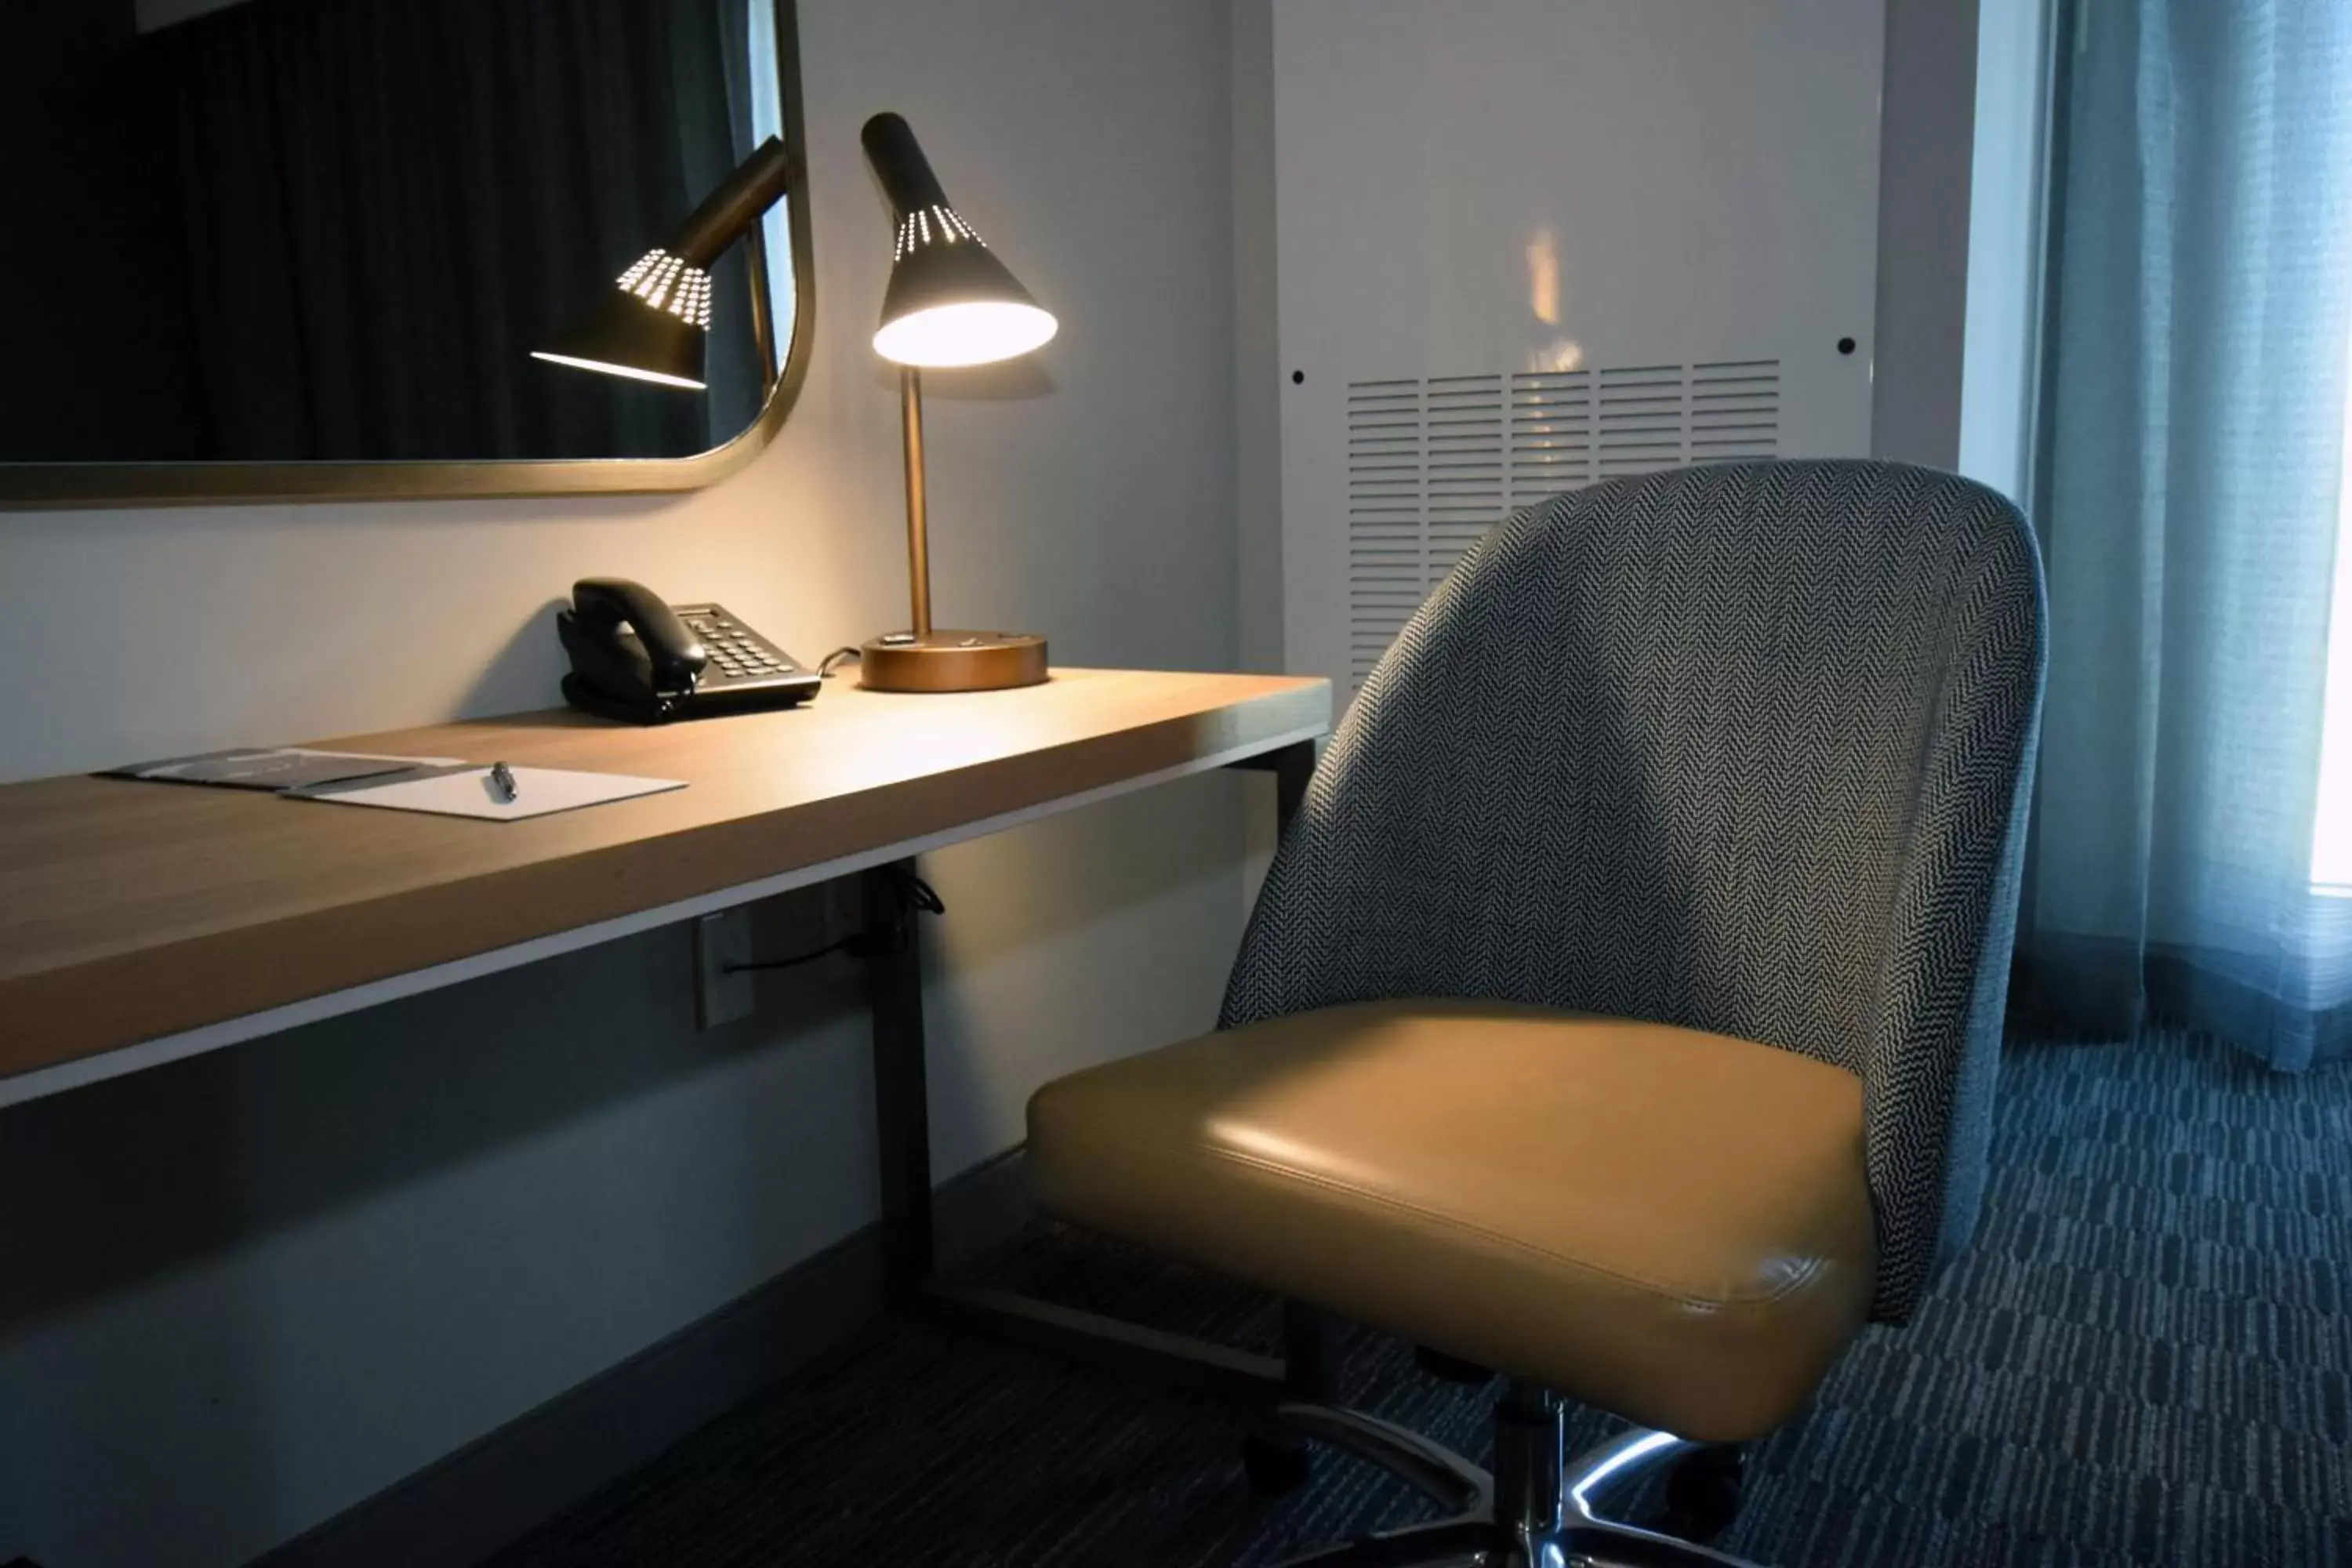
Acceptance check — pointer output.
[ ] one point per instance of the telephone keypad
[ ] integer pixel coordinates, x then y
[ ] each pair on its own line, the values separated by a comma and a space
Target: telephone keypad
740, 657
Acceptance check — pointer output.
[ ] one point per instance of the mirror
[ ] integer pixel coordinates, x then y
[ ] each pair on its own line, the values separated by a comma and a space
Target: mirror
267, 248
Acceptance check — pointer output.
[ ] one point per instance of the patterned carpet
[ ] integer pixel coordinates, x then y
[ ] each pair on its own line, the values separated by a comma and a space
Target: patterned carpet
2144, 1359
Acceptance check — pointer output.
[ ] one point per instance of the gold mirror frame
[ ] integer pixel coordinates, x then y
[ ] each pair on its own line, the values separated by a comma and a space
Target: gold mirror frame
41, 487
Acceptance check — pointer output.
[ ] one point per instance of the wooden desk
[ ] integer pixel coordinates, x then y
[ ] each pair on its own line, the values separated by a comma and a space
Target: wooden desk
141, 922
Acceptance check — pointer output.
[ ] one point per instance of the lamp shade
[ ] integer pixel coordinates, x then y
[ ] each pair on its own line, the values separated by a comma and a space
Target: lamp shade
950, 301
654, 327
655, 323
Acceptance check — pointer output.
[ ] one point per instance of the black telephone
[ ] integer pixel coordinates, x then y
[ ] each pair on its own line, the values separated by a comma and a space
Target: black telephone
635, 657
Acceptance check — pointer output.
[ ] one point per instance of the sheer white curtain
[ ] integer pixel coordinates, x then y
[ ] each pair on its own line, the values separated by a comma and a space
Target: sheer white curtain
2331, 847
2193, 778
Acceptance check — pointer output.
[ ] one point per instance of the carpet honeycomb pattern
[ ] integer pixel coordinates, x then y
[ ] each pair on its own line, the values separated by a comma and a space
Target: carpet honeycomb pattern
2145, 1358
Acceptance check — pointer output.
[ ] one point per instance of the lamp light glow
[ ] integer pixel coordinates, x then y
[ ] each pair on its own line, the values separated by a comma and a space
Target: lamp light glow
977, 332
950, 301
634, 372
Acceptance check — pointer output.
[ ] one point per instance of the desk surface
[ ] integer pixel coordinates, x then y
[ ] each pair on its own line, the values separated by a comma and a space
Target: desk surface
133, 911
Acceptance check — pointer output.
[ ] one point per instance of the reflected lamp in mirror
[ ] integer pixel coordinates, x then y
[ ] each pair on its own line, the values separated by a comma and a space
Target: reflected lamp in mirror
366, 214
950, 302
655, 323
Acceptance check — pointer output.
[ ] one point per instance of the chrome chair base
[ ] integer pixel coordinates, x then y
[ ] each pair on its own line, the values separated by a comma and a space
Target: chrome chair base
1536, 1510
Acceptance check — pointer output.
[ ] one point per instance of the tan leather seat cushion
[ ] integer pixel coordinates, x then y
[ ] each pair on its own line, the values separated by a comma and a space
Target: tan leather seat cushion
1670, 1225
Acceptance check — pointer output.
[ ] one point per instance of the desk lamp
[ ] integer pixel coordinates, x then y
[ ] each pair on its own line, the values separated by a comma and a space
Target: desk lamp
655, 324
950, 302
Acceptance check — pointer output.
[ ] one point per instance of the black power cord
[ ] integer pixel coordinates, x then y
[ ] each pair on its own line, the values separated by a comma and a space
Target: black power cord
847, 945
912, 896
835, 659
914, 893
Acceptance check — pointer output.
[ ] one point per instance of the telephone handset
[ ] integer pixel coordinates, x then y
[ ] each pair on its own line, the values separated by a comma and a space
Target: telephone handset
635, 657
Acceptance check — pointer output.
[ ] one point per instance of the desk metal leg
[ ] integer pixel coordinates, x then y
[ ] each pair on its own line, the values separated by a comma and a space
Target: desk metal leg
1292, 766
893, 991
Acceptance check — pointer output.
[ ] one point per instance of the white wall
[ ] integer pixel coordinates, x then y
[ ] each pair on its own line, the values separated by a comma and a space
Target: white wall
1259, 370
1925, 122
243, 1292
1499, 187
1927, 85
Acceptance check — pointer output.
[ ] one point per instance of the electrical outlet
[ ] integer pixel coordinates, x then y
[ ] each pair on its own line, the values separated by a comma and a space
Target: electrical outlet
719, 941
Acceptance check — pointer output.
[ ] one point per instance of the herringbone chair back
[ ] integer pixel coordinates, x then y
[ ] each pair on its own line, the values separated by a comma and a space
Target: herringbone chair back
1743, 749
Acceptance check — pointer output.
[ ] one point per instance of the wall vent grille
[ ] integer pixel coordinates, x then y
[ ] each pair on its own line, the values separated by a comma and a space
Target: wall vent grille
1435, 461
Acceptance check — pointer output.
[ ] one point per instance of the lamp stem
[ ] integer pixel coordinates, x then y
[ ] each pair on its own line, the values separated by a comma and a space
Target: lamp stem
919, 549
733, 206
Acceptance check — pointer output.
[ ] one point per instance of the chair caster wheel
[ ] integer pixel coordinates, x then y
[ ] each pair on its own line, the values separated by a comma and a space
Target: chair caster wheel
1274, 1465
1703, 1493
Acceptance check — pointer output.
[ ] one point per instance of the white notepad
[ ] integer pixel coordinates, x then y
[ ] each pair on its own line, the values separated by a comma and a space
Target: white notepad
466, 792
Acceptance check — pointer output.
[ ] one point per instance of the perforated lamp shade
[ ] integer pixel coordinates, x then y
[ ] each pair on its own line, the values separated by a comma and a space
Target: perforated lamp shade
950, 301
637, 335
655, 323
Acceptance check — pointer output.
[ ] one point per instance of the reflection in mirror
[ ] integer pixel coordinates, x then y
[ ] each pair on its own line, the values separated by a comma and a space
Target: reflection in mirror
654, 323
265, 231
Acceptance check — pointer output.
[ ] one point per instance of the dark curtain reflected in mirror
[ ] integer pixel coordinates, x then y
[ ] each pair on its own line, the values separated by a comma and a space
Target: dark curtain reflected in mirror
332, 230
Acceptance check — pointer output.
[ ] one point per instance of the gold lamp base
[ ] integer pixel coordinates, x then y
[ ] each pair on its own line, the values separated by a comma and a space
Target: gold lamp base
925, 660
952, 661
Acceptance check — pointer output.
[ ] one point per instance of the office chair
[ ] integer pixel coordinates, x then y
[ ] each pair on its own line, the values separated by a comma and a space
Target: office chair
1622, 1009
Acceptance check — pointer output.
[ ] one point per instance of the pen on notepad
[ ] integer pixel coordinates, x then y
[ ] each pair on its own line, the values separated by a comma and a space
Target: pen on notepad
502, 782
